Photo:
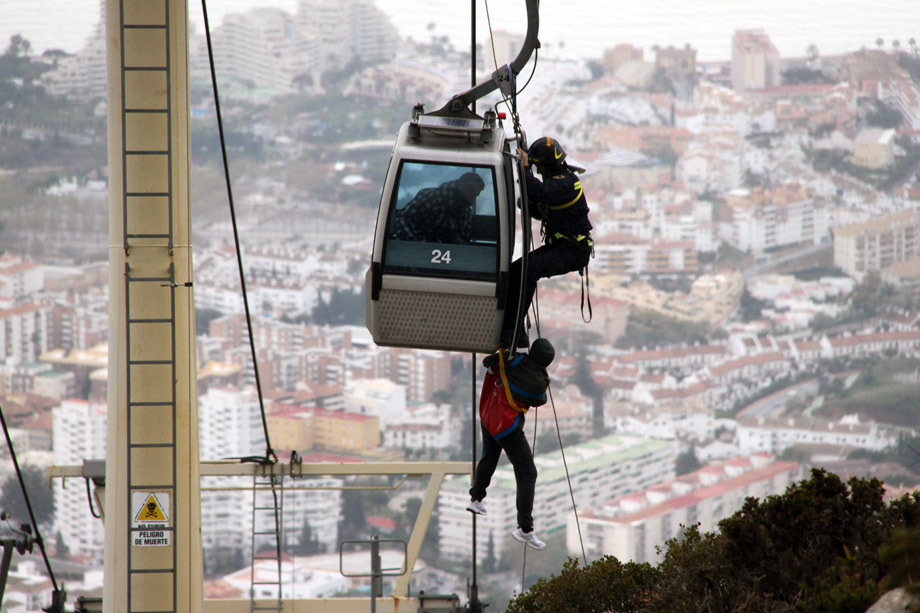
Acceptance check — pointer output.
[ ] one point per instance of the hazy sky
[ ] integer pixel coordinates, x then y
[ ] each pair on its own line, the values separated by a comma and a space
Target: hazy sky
585, 27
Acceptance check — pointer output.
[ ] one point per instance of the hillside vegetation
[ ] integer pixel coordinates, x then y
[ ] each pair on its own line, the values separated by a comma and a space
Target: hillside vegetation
822, 546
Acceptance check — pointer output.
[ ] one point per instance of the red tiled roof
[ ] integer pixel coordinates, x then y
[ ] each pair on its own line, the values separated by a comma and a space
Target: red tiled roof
384, 523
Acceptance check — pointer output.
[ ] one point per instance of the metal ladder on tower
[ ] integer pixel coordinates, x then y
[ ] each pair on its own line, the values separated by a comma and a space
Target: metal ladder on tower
267, 512
151, 301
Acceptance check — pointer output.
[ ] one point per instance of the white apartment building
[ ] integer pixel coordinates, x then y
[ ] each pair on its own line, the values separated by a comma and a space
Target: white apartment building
24, 332
281, 262
344, 31
417, 433
904, 95
230, 424
79, 433
631, 527
781, 217
635, 257
373, 37
82, 74
230, 427
20, 280
598, 470
378, 397
873, 148
902, 343
421, 372
877, 243
619, 255
258, 46
226, 298
773, 435
299, 579
227, 514
666, 420
283, 295
755, 61
709, 168
570, 410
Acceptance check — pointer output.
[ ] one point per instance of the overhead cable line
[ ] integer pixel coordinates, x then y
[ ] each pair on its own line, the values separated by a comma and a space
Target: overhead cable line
269, 452
25, 495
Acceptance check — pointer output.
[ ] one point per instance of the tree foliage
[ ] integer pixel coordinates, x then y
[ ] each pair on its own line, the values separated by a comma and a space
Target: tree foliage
751, 307
815, 547
344, 307
884, 116
307, 542
40, 496
686, 462
605, 585
647, 328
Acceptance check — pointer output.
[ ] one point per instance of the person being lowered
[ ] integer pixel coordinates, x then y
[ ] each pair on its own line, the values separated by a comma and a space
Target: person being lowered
441, 214
557, 200
509, 388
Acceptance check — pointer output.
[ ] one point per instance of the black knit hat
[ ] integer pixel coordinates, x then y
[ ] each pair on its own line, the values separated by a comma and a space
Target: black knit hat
472, 179
542, 352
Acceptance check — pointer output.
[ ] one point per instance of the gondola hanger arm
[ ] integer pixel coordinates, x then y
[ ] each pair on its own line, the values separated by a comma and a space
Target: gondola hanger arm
501, 78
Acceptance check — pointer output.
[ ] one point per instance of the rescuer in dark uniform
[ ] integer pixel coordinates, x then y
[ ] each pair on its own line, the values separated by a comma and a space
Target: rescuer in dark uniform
558, 200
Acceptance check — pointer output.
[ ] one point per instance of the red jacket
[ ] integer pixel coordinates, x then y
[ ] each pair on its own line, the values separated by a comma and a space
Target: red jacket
497, 416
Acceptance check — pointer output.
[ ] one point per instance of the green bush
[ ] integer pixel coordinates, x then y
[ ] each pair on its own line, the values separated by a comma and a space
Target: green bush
605, 585
813, 548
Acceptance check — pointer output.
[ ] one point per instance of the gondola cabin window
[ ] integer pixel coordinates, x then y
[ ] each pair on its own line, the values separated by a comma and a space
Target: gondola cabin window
443, 222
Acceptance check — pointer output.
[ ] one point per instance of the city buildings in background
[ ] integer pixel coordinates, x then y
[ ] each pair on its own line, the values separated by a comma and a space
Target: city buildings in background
687, 162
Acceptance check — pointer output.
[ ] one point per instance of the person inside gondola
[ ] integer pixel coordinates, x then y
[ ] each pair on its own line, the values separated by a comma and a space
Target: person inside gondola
441, 214
509, 388
557, 200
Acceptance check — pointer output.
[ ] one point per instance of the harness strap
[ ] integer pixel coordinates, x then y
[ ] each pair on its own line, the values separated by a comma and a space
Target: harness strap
586, 287
504, 377
575, 239
586, 293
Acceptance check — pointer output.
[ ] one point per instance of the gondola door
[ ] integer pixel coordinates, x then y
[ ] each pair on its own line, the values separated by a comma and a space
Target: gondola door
443, 244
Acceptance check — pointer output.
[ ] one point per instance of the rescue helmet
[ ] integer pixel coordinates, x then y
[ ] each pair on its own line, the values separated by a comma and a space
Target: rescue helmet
546, 152
542, 352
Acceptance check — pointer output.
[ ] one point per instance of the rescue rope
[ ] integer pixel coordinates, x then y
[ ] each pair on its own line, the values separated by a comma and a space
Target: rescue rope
533, 452
567, 477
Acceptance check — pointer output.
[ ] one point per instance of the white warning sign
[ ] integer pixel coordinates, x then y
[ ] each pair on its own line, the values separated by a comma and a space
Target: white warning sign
150, 519
151, 538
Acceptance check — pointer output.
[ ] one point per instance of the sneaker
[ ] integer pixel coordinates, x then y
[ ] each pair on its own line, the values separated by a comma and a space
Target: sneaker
529, 538
476, 507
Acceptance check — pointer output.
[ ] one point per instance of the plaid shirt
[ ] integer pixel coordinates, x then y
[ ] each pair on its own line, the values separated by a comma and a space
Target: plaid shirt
440, 214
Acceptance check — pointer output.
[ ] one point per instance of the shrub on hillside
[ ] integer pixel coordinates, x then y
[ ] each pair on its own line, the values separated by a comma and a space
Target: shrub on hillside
813, 548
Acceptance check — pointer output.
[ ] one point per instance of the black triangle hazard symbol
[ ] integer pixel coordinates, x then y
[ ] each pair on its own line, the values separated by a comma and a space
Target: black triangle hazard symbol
150, 511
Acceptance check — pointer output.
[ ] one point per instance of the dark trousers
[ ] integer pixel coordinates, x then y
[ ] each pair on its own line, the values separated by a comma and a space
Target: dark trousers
525, 472
557, 258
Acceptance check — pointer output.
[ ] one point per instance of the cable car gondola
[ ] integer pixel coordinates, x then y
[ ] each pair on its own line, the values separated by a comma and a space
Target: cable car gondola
439, 266
440, 262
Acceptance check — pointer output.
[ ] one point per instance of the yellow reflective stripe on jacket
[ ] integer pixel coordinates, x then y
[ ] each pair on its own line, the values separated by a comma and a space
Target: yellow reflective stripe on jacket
568, 204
